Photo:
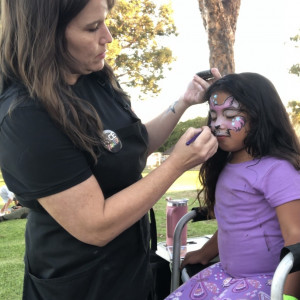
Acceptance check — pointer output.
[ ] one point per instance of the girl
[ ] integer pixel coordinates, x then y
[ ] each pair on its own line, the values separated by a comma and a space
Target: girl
252, 184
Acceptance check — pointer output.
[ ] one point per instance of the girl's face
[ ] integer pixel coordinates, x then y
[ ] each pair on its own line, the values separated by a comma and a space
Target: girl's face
87, 37
228, 123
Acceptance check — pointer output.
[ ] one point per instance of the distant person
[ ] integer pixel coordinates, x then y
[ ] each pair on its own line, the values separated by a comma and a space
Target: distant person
72, 150
18, 211
252, 185
8, 197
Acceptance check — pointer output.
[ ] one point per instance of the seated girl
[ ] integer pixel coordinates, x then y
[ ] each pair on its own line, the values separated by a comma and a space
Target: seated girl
252, 185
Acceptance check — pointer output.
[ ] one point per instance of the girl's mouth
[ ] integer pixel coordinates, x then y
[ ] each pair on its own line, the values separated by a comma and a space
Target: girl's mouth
221, 133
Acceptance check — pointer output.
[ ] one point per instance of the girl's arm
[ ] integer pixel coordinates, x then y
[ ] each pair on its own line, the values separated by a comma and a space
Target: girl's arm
289, 218
205, 254
161, 127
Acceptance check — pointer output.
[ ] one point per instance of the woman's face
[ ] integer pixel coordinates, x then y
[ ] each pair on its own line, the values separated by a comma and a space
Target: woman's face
228, 123
87, 37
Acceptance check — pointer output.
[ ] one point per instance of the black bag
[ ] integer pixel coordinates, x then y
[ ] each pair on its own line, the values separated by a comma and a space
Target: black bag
160, 267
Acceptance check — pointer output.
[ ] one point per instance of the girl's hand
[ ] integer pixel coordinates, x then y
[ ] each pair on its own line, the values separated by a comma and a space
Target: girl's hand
191, 258
203, 255
197, 87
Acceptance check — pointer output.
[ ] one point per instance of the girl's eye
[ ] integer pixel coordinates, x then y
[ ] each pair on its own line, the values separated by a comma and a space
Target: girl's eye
213, 116
230, 114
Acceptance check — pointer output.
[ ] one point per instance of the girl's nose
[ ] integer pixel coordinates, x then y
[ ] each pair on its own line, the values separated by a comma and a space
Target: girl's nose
219, 123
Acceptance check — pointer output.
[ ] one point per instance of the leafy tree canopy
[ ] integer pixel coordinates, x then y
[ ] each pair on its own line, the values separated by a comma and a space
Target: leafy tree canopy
136, 53
295, 69
179, 130
295, 111
294, 106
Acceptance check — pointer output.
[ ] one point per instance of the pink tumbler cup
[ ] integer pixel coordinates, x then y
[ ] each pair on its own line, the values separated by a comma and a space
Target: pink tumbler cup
176, 209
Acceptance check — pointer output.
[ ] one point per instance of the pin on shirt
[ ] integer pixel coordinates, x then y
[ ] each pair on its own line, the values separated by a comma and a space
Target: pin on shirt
112, 142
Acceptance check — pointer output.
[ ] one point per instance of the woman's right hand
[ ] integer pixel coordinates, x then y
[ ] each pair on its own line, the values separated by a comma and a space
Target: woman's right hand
186, 156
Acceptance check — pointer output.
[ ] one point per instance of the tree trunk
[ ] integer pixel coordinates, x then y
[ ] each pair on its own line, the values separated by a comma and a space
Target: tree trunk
220, 19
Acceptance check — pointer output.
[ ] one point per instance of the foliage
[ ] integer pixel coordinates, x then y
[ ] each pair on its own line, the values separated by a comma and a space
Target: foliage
179, 130
194, 229
294, 106
136, 53
295, 69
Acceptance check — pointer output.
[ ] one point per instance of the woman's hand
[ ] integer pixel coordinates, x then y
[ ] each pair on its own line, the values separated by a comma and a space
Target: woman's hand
185, 157
197, 88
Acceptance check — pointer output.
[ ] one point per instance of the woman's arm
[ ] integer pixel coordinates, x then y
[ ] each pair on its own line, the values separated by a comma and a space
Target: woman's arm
289, 219
161, 127
95, 220
203, 255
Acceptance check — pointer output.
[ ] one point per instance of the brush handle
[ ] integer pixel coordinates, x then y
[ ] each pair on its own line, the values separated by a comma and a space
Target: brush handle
193, 138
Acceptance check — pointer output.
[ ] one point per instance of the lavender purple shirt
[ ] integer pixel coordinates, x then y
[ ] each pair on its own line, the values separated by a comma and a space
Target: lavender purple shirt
249, 236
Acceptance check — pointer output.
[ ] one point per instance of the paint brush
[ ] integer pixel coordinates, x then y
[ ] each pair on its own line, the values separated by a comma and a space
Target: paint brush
193, 139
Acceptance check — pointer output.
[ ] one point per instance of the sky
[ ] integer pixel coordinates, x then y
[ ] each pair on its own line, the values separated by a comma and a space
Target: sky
262, 45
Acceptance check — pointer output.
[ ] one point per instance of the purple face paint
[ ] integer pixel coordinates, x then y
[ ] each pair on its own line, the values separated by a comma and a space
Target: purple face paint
225, 116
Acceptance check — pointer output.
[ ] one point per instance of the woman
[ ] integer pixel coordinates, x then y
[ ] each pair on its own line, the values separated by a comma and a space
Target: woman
69, 139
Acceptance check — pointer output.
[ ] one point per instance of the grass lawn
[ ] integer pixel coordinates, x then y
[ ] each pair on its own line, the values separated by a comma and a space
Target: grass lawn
194, 229
11, 264
12, 235
184, 187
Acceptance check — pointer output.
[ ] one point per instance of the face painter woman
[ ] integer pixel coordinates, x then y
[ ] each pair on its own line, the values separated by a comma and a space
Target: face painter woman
72, 150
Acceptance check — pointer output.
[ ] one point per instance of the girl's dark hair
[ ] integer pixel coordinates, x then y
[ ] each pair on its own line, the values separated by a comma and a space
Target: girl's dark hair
270, 130
33, 52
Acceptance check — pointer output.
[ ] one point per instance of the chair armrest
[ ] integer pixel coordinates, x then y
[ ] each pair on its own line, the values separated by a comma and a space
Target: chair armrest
176, 248
290, 262
295, 250
195, 215
201, 214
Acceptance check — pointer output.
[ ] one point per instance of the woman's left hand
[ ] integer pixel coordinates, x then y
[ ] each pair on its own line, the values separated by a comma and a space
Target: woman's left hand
197, 87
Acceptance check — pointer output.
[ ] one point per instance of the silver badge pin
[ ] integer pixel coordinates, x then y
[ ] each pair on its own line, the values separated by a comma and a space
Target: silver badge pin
112, 143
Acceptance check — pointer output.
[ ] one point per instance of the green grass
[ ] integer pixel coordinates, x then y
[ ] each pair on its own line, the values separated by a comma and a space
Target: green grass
12, 243
185, 186
194, 229
11, 264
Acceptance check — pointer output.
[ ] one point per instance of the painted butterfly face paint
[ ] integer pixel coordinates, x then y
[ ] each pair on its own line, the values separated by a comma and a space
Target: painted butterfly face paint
225, 114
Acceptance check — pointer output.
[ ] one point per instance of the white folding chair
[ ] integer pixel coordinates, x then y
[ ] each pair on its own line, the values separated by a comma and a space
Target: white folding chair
290, 262
290, 259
